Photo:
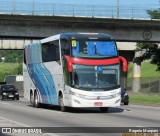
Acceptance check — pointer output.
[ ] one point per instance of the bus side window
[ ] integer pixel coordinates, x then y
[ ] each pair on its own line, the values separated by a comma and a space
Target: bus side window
57, 54
50, 51
66, 73
55, 50
65, 47
44, 52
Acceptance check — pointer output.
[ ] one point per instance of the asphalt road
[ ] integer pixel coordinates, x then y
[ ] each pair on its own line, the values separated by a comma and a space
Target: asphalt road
21, 114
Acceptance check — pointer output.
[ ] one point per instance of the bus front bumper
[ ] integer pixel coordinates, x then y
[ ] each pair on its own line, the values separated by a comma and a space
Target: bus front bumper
81, 102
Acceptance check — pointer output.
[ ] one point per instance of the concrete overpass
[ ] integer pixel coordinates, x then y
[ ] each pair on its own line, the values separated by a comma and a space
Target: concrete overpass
10, 43
37, 27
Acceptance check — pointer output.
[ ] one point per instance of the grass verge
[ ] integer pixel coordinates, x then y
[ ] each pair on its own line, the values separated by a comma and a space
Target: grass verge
7, 67
147, 70
144, 99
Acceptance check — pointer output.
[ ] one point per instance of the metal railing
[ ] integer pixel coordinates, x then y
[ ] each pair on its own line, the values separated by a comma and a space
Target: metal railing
53, 9
147, 85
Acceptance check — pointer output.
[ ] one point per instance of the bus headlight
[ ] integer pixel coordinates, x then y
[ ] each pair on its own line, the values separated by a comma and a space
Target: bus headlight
76, 94
116, 95
4, 93
80, 95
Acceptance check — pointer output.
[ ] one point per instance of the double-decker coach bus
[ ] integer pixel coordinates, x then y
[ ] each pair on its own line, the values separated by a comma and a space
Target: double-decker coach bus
73, 70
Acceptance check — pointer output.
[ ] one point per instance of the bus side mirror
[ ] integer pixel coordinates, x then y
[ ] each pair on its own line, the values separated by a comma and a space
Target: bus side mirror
124, 63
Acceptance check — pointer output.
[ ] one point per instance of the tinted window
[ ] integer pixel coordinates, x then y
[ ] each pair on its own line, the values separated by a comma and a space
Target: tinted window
93, 48
95, 77
8, 88
50, 51
65, 48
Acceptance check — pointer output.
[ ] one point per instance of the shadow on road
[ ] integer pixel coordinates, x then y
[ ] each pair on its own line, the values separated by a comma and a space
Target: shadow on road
94, 110
82, 110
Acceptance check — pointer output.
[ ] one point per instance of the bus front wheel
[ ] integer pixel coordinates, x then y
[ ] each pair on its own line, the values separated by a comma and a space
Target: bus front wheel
61, 103
32, 99
36, 103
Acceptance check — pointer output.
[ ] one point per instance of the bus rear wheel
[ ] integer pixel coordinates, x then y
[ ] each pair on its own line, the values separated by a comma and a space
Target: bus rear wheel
61, 103
103, 109
1, 97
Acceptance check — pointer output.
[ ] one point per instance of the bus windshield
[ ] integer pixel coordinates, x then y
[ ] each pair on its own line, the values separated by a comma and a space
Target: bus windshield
93, 48
95, 77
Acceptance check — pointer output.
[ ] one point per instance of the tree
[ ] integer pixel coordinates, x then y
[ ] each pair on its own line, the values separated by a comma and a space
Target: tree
154, 14
152, 49
12, 56
152, 53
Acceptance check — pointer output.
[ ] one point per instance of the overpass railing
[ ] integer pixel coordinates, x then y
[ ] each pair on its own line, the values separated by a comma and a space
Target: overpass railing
53, 9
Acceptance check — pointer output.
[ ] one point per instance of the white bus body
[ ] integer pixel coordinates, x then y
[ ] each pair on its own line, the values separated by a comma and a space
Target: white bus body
54, 73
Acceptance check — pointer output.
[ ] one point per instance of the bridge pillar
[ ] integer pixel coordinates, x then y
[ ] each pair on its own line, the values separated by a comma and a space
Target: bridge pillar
136, 83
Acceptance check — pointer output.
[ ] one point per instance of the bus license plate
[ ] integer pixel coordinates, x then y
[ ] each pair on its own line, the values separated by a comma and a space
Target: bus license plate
98, 104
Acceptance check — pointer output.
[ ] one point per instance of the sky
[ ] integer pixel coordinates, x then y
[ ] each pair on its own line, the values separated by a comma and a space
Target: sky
128, 8
104, 2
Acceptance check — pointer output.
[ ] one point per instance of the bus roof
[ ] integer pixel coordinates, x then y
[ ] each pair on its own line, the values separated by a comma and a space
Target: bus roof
75, 35
85, 35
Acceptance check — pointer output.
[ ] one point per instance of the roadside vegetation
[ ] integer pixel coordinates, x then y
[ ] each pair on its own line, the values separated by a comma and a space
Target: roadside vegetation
11, 56
149, 95
144, 98
10, 63
10, 69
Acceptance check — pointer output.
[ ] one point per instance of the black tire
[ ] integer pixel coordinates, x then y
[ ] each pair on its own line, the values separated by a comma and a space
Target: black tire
17, 98
32, 99
36, 103
61, 104
125, 103
2, 97
103, 109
